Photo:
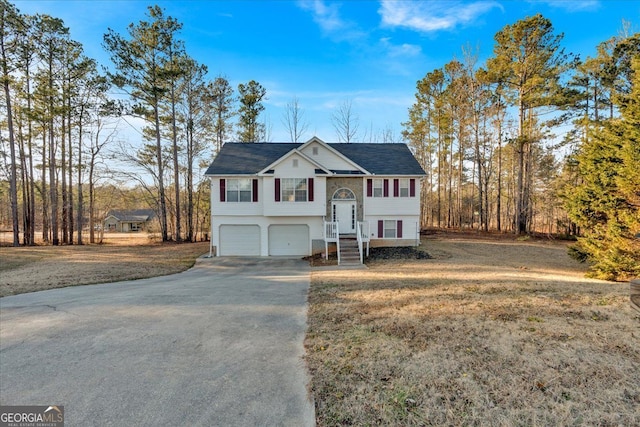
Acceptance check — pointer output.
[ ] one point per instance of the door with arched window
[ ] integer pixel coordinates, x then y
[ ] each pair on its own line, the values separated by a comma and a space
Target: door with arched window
343, 210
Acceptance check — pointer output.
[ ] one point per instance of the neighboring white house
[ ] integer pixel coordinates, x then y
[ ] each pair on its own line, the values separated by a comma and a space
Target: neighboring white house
290, 198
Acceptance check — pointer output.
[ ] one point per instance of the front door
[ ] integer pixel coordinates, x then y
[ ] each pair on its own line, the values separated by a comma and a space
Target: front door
345, 213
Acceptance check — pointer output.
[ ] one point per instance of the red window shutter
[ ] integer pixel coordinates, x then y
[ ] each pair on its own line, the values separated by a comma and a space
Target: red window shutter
412, 187
399, 229
380, 229
369, 187
396, 187
310, 189
277, 189
255, 190
223, 190
386, 187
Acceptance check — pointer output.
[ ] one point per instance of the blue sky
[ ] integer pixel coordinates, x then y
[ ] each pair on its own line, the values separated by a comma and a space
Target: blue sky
327, 52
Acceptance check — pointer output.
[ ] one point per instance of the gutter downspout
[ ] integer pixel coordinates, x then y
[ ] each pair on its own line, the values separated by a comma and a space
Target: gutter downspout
210, 220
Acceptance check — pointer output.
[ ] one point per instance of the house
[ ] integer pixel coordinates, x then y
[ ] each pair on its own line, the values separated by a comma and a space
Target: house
271, 199
129, 220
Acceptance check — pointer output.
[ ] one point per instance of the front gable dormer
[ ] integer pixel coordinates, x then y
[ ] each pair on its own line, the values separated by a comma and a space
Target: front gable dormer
331, 159
294, 164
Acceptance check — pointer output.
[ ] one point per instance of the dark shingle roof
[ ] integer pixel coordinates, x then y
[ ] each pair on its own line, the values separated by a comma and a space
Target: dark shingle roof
251, 158
244, 158
381, 159
132, 214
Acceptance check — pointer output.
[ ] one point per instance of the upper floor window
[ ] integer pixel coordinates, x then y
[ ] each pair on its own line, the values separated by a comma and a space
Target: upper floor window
294, 189
404, 187
239, 190
377, 187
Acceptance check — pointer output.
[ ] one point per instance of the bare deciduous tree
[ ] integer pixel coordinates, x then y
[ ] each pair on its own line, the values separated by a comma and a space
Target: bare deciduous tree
345, 122
293, 120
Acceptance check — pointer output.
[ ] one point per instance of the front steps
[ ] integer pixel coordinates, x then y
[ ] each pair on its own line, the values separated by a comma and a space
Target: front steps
349, 253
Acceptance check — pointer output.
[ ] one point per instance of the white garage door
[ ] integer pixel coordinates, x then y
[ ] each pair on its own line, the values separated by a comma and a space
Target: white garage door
289, 240
239, 240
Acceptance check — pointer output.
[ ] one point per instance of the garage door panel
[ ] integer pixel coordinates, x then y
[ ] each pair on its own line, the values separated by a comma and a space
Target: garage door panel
289, 240
240, 240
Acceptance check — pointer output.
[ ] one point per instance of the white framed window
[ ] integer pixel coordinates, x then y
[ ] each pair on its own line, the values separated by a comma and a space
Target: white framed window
378, 187
390, 229
239, 190
404, 187
294, 189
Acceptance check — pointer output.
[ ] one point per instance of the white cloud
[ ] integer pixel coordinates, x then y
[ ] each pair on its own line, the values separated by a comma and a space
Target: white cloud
403, 50
327, 16
571, 5
432, 15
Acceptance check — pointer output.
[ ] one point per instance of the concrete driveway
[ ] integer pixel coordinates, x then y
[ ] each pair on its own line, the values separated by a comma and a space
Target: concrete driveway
218, 345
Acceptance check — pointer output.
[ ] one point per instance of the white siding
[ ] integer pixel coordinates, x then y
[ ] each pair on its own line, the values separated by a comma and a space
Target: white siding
410, 226
392, 205
315, 208
326, 158
236, 208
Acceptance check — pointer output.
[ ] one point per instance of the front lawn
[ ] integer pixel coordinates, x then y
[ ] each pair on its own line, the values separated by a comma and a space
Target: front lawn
488, 332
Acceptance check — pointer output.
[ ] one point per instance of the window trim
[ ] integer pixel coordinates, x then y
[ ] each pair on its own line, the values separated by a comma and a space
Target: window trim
379, 187
281, 185
224, 189
401, 187
382, 229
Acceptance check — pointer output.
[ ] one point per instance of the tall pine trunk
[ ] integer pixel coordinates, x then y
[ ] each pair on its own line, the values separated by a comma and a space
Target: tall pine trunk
13, 181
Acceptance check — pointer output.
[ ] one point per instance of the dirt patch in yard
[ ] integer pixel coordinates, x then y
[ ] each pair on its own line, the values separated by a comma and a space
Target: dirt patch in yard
29, 269
488, 332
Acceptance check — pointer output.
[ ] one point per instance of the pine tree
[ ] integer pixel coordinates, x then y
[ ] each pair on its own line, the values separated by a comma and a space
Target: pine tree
251, 96
607, 202
140, 66
528, 61
222, 105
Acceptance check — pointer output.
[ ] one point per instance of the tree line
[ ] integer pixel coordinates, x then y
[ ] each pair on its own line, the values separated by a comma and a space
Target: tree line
487, 135
63, 120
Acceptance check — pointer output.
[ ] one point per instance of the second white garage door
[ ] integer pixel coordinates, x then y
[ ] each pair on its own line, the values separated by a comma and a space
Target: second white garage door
241, 240
291, 240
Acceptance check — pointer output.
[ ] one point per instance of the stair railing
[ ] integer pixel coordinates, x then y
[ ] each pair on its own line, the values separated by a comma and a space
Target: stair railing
330, 231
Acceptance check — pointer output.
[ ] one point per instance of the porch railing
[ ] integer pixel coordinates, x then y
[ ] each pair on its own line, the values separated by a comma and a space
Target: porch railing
362, 234
330, 234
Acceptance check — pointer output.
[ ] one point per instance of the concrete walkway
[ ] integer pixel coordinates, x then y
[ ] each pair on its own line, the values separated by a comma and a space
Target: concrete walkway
218, 345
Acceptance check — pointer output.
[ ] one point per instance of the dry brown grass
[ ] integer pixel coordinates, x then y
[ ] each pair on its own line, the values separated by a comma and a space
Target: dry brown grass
29, 269
498, 333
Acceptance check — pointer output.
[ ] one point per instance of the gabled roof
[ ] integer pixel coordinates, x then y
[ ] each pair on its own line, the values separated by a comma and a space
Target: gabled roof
382, 159
358, 168
378, 159
133, 215
295, 151
246, 158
